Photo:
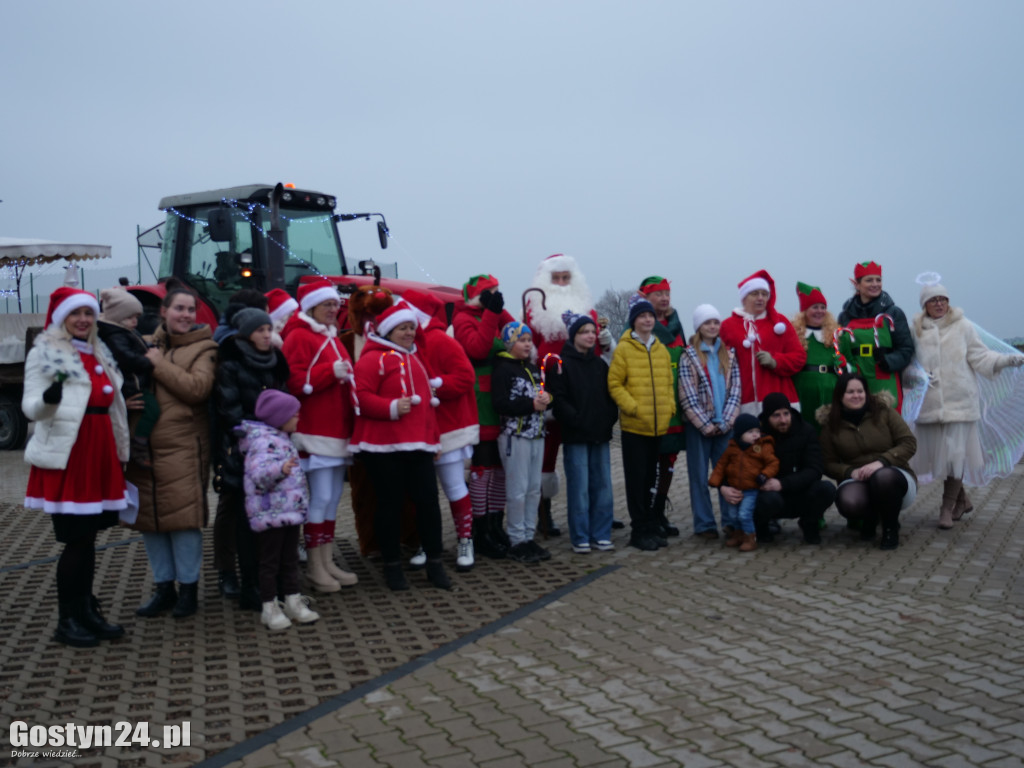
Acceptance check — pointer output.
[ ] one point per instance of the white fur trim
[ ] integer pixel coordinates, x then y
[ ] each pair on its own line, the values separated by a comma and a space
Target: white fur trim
460, 438
75, 507
286, 308
395, 447
321, 444
319, 296
754, 284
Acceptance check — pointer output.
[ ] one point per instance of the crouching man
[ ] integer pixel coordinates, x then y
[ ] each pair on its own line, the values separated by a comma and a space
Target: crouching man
798, 490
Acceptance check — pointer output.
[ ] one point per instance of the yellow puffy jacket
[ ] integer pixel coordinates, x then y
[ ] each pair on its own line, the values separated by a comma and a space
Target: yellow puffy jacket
640, 382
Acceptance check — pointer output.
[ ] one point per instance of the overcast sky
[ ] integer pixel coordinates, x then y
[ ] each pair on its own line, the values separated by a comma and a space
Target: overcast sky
697, 140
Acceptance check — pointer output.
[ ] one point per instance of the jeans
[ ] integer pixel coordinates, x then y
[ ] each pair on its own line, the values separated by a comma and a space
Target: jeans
588, 490
700, 453
740, 516
175, 556
523, 459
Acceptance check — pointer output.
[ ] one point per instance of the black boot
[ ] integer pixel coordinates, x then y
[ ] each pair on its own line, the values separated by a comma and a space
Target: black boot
545, 523
227, 584
93, 620
483, 542
163, 599
890, 538
498, 533
71, 630
868, 525
249, 597
665, 528
394, 576
436, 574
188, 600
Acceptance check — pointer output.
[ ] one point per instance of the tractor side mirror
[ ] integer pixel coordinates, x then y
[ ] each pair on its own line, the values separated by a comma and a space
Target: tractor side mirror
382, 234
221, 227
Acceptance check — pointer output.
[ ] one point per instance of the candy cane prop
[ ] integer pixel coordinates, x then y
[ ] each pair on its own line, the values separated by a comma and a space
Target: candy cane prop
841, 364
544, 367
415, 399
880, 320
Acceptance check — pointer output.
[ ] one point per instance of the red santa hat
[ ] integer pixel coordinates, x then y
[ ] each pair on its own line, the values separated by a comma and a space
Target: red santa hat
558, 262
317, 292
66, 300
866, 268
759, 281
393, 316
280, 304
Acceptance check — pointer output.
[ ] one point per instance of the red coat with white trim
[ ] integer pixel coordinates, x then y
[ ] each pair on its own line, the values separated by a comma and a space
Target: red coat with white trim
327, 413
457, 416
770, 332
386, 372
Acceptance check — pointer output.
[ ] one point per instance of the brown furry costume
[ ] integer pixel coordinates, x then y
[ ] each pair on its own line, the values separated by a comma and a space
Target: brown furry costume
364, 305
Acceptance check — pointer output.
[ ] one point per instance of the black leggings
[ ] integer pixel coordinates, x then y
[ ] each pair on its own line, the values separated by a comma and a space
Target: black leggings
76, 568
877, 498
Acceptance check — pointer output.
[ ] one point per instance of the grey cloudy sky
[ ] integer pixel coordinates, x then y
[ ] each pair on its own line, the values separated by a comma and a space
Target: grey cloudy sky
698, 140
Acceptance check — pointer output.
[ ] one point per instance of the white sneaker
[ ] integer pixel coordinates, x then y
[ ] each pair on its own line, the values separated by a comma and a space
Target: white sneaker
297, 607
273, 618
464, 558
604, 546
419, 560
581, 549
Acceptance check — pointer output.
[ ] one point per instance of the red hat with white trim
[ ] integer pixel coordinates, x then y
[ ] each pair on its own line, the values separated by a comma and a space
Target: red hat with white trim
280, 304
66, 300
317, 292
393, 316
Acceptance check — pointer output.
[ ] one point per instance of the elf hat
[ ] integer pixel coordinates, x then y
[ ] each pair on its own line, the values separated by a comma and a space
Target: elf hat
66, 300
809, 295
477, 284
866, 268
393, 316
280, 304
654, 283
317, 292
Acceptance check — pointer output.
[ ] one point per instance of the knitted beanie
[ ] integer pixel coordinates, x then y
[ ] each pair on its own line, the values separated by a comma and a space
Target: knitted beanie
118, 305
276, 408
247, 320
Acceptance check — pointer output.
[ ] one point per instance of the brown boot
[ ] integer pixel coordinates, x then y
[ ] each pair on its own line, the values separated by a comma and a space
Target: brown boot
734, 537
963, 503
950, 489
748, 542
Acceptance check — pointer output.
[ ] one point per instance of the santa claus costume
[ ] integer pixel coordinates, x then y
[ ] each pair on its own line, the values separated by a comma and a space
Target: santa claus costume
398, 437
280, 306
456, 415
768, 351
543, 314
321, 378
73, 393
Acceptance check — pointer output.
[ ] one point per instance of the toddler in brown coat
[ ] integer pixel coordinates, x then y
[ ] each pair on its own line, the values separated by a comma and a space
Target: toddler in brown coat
745, 466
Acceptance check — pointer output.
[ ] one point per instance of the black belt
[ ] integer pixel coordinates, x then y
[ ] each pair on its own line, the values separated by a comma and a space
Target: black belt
97, 410
818, 368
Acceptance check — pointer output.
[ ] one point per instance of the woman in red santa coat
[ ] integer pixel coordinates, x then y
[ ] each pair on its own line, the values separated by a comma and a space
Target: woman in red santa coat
768, 350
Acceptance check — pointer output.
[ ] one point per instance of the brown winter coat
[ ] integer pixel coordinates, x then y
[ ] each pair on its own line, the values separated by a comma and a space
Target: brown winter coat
883, 436
739, 469
172, 494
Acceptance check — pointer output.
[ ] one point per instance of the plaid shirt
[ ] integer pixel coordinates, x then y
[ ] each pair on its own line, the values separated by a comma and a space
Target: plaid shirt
695, 392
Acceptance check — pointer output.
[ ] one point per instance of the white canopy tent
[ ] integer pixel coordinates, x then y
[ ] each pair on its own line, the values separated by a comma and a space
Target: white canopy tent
17, 253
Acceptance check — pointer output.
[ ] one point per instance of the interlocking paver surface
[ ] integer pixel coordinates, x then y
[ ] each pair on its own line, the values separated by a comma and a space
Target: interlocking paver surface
695, 655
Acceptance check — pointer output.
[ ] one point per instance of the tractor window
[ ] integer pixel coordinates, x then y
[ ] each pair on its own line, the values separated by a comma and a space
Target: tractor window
215, 268
312, 246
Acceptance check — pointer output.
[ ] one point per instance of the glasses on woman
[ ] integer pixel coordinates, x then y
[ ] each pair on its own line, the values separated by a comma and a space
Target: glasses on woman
937, 300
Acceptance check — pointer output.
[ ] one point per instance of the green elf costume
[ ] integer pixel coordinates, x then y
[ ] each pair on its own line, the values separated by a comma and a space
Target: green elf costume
815, 383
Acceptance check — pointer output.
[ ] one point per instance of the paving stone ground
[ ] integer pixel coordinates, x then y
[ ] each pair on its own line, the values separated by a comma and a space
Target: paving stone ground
793, 655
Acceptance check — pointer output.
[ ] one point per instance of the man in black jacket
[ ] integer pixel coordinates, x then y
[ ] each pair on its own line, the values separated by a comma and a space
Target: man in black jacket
798, 490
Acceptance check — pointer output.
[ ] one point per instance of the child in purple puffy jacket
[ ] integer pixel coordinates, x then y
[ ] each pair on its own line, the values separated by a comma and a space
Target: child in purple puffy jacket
276, 501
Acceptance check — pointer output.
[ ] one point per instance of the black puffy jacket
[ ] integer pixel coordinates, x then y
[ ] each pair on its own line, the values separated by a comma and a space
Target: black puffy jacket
242, 373
583, 407
129, 351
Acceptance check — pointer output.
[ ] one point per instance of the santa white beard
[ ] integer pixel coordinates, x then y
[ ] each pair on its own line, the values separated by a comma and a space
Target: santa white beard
574, 297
